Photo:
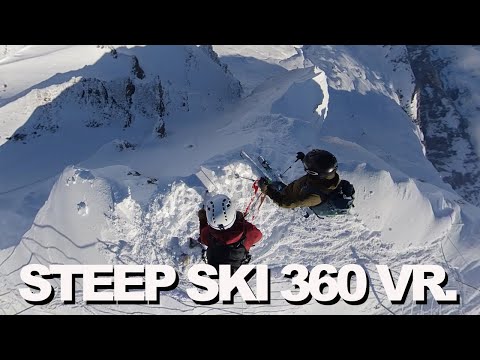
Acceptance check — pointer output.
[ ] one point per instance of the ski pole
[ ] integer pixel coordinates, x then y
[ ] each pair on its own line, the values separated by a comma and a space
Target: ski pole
255, 190
243, 177
288, 168
215, 186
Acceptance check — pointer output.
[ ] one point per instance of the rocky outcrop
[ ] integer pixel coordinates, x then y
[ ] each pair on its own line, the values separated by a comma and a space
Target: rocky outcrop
445, 128
139, 98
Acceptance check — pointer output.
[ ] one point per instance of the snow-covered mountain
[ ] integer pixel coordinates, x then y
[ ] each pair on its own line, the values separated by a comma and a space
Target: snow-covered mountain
100, 146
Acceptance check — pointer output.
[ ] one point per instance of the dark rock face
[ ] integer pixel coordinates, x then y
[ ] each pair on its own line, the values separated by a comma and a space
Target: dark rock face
97, 103
444, 125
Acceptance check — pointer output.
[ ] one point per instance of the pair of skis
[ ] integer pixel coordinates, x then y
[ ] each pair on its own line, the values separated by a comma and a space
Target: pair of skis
263, 166
264, 169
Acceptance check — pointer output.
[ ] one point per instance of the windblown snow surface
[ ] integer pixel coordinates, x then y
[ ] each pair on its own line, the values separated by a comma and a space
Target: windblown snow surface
100, 146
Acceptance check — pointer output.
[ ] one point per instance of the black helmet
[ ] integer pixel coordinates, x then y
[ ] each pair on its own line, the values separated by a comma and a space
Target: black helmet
320, 163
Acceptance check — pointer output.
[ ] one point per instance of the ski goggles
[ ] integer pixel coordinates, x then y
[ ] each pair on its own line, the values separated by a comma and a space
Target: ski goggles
310, 172
325, 173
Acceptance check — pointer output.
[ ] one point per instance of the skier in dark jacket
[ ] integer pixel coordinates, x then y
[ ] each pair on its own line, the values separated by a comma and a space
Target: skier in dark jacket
313, 188
227, 234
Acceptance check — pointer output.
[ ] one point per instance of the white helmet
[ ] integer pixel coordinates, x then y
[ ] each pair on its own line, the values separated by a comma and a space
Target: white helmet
220, 212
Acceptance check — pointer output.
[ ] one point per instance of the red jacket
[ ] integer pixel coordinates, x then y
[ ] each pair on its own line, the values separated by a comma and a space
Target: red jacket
233, 234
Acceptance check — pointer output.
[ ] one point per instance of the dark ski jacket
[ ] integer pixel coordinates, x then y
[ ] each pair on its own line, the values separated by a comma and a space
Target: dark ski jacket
304, 192
233, 234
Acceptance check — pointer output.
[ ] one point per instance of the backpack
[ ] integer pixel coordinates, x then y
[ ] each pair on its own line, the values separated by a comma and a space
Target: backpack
337, 202
235, 254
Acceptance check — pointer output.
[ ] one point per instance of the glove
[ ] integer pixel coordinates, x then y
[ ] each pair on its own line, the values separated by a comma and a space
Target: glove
202, 215
347, 188
263, 184
300, 156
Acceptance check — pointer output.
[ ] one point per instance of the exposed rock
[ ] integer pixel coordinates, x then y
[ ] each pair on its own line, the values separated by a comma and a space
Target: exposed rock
446, 130
136, 68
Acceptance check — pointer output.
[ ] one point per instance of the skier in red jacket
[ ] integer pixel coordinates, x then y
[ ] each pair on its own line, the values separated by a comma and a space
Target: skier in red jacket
226, 233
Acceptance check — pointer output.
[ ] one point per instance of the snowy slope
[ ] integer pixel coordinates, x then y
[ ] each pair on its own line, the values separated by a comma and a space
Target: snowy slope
112, 202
